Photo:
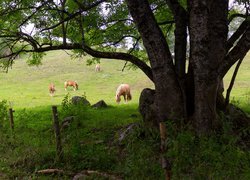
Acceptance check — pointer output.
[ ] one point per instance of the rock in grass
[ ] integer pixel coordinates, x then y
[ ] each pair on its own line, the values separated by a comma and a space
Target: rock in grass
100, 104
147, 107
66, 122
126, 131
80, 100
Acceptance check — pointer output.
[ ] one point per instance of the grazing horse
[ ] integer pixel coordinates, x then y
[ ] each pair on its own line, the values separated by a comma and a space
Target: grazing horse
97, 67
123, 90
52, 89
71, 83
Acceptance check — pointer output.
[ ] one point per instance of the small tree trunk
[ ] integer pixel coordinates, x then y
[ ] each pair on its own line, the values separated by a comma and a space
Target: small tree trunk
232, 83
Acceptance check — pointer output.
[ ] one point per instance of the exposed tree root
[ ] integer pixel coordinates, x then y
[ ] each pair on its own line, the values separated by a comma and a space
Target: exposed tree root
50, 171
90, 172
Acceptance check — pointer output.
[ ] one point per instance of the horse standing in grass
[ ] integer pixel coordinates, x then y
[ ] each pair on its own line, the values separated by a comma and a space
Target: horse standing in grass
71, 83
97, 67
123, 90
52, 89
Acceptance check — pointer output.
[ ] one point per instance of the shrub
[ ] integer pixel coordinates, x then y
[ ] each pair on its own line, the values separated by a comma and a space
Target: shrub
3, 112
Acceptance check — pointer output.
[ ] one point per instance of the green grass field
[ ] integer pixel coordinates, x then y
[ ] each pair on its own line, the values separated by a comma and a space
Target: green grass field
91, 142
25, 86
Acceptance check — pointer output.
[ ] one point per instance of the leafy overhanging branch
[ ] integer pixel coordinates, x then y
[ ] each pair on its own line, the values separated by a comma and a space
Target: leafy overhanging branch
36, 47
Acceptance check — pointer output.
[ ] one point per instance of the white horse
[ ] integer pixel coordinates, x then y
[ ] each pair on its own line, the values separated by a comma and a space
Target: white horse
97, 67
123, 90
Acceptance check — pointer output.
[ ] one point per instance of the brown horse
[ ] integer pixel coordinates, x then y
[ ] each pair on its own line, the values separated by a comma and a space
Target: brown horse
123, 90
52, 89
71, 83
97, 67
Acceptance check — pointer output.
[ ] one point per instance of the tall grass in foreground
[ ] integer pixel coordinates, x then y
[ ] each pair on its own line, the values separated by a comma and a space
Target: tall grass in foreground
91, 142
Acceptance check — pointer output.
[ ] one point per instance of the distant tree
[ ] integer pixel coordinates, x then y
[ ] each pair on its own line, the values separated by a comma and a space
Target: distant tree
97, 27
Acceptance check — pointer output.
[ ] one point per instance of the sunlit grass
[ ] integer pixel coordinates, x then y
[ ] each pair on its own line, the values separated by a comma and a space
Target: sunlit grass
241, 89
26, 86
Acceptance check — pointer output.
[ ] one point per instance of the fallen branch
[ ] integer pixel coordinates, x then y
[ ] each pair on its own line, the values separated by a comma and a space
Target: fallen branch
90, 172
50, 171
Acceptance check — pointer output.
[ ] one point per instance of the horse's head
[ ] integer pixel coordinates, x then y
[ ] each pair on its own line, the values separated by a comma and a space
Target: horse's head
117, 98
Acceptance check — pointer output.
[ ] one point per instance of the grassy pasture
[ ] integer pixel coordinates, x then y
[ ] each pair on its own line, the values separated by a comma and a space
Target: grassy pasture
27, 86
91, 141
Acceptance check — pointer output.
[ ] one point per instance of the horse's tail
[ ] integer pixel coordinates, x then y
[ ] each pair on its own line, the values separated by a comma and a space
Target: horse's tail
76, 84
129, 96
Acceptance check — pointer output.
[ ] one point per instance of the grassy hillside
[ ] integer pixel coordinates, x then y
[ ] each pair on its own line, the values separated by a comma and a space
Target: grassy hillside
26, 86
240, 94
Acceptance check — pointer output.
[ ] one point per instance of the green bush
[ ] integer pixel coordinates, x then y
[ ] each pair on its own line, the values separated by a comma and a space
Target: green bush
3, 112
216, 157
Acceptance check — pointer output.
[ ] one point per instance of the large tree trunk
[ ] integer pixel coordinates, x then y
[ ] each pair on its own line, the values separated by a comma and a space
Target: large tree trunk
207, 51
168, 97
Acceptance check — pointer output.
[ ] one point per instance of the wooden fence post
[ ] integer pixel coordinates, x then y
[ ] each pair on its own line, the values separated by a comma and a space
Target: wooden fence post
164, 162
11, 118
59, 153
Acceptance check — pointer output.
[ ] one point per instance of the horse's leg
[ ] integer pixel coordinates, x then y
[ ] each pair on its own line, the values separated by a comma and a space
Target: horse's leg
125, 98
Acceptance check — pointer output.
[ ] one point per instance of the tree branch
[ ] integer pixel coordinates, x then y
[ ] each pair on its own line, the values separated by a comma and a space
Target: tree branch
72, 16
238, 52
180, 16
232, 83
230, 18
90, 6
121, 56
237, 34
99, 54
30, 16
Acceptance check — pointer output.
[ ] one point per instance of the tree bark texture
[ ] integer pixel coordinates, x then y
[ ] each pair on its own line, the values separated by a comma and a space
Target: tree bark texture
169, 99
208, 28
207, 51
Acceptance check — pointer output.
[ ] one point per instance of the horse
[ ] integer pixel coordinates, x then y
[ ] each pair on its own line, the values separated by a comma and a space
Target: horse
71, 83
52, 89
123, 90
97, 67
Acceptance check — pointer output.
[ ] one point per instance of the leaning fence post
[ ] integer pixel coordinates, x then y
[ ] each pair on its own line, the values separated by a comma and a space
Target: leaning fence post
59, 153
164, 162
11, 118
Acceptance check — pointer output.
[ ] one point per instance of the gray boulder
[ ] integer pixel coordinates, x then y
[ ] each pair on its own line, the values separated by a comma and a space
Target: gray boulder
100, 104
80, 100
147, 107
67, 121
